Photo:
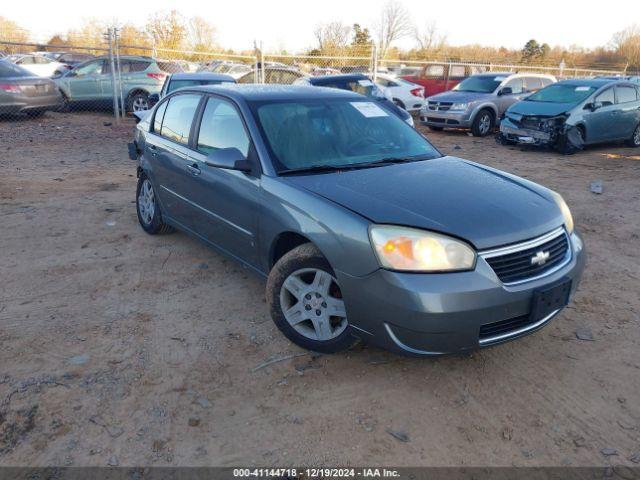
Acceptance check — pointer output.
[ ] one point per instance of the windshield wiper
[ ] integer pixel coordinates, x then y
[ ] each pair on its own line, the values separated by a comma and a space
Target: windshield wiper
353, 166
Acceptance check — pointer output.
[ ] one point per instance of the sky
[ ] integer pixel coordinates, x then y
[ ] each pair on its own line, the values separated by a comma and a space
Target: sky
289, 23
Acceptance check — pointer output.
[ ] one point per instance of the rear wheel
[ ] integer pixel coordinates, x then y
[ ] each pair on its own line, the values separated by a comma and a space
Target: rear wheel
634, 141
399, 103
483, 123
148, 208
306, 302
138, 102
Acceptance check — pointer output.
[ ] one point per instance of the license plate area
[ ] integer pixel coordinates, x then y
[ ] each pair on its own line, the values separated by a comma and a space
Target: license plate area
549, 299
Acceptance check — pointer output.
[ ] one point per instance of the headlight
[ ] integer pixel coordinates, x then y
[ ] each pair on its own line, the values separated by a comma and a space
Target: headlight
410, 249
564, 208
459, 106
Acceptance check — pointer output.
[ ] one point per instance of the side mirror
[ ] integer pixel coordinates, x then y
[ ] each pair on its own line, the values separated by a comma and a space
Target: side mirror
505, 91
595, 106
228, 158
153, 99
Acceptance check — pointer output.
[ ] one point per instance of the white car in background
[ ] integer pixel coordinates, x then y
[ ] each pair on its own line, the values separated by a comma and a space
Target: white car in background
39, 65
403, 93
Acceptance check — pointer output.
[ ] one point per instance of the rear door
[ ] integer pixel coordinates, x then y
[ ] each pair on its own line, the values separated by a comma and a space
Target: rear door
628, 110
517, 93
168, 150
227, 201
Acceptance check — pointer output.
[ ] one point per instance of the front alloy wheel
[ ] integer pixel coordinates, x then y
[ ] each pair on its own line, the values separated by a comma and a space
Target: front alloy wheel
312, 304
148, 208
306, 302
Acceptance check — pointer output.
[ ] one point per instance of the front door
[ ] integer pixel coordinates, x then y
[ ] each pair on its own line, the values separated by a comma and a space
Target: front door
601, 123
628, 112
227, 200
84, 81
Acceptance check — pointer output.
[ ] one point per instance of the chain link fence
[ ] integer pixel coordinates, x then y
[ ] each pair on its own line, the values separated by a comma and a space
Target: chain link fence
101, 74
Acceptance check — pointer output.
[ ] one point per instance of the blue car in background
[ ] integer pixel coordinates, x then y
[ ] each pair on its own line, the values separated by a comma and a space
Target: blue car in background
570, 114
358, 83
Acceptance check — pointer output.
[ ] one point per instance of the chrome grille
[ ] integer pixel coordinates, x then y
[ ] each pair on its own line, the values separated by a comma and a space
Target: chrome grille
440, 106
530, 260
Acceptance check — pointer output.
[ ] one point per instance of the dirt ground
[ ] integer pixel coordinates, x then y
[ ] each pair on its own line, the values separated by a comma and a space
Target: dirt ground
120, 348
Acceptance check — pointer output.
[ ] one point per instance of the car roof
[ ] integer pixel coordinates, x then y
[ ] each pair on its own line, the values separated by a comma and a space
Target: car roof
255, 92
334, 78
589, 82
202, 76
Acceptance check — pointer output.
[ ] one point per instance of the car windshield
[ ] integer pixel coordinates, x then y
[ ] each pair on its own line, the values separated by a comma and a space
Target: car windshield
176, 84
480, 84
562, 93
336, 133
8, 70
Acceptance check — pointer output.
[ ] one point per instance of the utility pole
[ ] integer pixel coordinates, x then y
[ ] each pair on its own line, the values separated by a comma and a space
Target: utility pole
116, 112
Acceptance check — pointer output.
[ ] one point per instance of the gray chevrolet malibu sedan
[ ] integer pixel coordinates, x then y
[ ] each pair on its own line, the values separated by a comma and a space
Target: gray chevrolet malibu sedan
361, 226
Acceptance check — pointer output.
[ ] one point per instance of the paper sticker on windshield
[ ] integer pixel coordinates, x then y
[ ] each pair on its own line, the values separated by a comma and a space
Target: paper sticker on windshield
365, 83
369, 109
582, 89
499, 79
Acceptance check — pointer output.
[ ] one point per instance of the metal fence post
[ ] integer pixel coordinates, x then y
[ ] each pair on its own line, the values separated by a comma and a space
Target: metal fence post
256, 63
374, 53
262, 77
119, 71
113, 77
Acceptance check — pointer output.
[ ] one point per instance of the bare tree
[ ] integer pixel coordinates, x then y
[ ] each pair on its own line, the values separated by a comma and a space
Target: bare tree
202, 35
627, 45
429, 37
168, 30
12, 32
394, 23
332, 37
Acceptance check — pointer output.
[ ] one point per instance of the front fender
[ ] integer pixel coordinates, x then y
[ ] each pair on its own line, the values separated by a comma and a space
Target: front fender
340, 234
483, 106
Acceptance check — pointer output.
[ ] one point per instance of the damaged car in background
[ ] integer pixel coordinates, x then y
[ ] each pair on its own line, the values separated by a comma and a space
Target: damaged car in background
573, 113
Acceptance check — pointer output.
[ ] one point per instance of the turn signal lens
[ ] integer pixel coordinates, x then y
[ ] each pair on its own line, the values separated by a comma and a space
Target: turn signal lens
410, 249
9, 88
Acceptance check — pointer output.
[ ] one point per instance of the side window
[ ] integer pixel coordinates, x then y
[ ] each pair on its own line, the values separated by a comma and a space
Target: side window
532, 84
626, 94
457, 71
159, 115
92, 68
248, 78
546, 82
178, 117
516, 85
221, 127
606, 98
434, 71
26, 61
138, 66
41, 60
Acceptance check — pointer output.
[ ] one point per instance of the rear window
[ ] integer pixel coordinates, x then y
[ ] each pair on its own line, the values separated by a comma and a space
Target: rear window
562, 93
8, 70
170, 67
178, 117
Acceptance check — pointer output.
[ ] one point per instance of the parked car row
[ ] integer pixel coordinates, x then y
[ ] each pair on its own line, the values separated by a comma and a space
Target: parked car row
23, 92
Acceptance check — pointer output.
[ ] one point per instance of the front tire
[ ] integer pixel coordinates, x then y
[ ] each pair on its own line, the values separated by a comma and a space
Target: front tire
634, 141
148, 208
306, 302
483, 123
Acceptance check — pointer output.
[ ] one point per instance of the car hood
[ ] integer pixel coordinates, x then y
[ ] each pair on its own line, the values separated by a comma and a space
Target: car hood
459, 97
540, 108
486, 207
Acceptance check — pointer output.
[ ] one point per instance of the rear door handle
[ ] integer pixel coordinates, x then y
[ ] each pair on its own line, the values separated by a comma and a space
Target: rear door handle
194, 170
153, 149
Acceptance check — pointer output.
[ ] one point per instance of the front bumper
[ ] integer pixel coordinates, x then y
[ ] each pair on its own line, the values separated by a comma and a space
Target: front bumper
421, 314
517, 134
445, 119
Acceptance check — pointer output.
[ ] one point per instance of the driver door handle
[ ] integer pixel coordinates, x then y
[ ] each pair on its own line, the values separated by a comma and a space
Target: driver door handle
194, 169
